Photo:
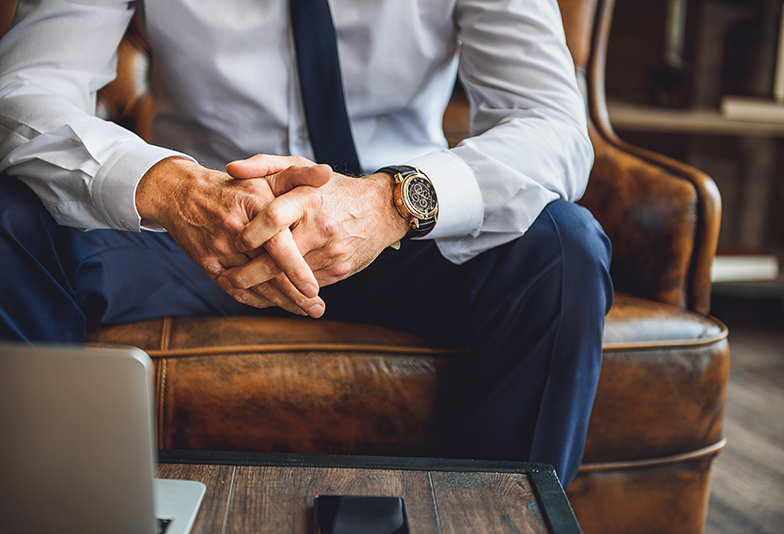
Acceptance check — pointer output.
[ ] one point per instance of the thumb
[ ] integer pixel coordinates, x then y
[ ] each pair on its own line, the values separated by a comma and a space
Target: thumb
262, 165
288, 179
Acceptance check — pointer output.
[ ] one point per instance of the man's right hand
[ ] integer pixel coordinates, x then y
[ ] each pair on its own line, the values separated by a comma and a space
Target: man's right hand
205, 210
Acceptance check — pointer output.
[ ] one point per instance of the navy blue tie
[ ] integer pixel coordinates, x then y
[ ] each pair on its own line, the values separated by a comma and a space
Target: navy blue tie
322, 87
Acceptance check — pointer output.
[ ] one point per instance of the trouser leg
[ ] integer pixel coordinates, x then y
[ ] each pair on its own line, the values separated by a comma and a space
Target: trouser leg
538, 319
36, 291
532, 312
57, 280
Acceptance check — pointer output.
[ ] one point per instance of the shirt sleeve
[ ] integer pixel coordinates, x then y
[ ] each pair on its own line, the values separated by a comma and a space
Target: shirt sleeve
529, 143
53, 60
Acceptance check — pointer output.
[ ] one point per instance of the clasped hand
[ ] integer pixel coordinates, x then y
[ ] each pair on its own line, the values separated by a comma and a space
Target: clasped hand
272, 230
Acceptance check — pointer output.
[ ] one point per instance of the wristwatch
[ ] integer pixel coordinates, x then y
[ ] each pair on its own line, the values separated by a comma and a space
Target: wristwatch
415, 198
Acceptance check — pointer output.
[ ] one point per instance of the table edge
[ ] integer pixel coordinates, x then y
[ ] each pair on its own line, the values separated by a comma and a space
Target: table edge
553, 503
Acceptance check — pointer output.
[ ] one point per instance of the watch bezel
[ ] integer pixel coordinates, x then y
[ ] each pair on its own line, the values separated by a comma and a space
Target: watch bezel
415, 211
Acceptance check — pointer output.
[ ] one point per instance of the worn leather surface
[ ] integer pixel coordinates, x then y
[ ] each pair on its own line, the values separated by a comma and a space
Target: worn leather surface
192, 335
250, 383
663, 384
280, 384
665, 498
636, 322
650, 217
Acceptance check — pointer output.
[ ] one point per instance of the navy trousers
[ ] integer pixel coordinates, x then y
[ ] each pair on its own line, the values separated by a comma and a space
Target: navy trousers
532, 311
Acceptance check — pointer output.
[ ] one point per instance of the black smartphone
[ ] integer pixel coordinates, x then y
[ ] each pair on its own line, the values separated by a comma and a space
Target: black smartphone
349, 514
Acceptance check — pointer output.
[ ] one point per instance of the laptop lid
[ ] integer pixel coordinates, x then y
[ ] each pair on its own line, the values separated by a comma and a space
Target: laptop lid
77, 441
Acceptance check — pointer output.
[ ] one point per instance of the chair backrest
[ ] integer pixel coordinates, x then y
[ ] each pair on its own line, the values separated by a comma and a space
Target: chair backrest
578, 19
7, 9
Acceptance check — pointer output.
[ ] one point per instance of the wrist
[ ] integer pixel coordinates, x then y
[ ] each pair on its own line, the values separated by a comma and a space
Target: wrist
397, 227
156, 187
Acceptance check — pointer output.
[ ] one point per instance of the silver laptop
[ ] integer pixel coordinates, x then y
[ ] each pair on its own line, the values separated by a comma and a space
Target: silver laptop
77, 451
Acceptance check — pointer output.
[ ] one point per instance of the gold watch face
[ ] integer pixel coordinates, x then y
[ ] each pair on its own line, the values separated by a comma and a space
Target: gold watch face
420, 196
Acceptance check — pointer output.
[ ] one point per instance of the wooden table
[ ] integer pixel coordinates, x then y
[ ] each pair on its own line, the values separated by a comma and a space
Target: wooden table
274, 493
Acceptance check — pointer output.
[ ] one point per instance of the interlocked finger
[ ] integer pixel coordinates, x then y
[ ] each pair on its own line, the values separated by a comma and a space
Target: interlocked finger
251, 298
282, 256
278, 215
283, 294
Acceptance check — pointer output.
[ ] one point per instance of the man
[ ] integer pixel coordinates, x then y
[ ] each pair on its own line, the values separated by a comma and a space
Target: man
499, 259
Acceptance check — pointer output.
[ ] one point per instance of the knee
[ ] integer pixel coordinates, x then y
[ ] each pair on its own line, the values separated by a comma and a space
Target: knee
564, 256
581, 236
585, 249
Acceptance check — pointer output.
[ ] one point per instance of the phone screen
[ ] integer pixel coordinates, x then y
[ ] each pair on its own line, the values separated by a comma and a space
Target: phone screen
346, 514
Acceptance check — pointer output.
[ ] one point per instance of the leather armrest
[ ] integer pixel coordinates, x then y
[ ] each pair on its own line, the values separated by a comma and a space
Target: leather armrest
662, 218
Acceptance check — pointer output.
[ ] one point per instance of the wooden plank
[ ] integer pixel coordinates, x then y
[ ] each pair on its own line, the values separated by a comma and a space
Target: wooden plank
218, 479
490, 503
270, 499
280, 499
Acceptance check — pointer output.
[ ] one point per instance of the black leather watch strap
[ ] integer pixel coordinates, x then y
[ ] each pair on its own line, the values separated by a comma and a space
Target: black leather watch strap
397, 169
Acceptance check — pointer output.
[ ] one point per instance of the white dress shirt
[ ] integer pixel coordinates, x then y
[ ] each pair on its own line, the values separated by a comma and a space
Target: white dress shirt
226, 87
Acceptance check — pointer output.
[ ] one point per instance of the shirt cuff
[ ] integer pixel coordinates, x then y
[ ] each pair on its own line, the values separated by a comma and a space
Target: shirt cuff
114, 189
460, 206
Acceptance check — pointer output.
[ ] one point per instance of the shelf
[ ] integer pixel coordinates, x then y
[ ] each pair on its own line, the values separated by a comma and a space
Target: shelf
744, 268
706, 121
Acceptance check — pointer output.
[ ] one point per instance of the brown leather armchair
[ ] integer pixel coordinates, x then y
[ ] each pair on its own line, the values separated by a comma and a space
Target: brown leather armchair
290, 384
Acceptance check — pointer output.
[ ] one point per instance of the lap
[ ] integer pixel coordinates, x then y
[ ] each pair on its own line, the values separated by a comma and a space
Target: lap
124, 276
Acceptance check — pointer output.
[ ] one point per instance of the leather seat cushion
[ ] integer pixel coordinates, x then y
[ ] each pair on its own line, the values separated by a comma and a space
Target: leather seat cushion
663, 385
290, 384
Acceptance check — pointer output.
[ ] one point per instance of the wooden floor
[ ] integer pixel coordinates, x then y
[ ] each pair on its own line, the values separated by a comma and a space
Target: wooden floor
747, 488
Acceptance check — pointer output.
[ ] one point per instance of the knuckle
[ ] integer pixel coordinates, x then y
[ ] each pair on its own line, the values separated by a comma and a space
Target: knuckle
340, 252
264, 291
240, 280
276, 216
209, 264
340, 270
267, 292
275, 244
281, 281
230, 220
304, 302
240, 296
246, 241
218, 246
329, 227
